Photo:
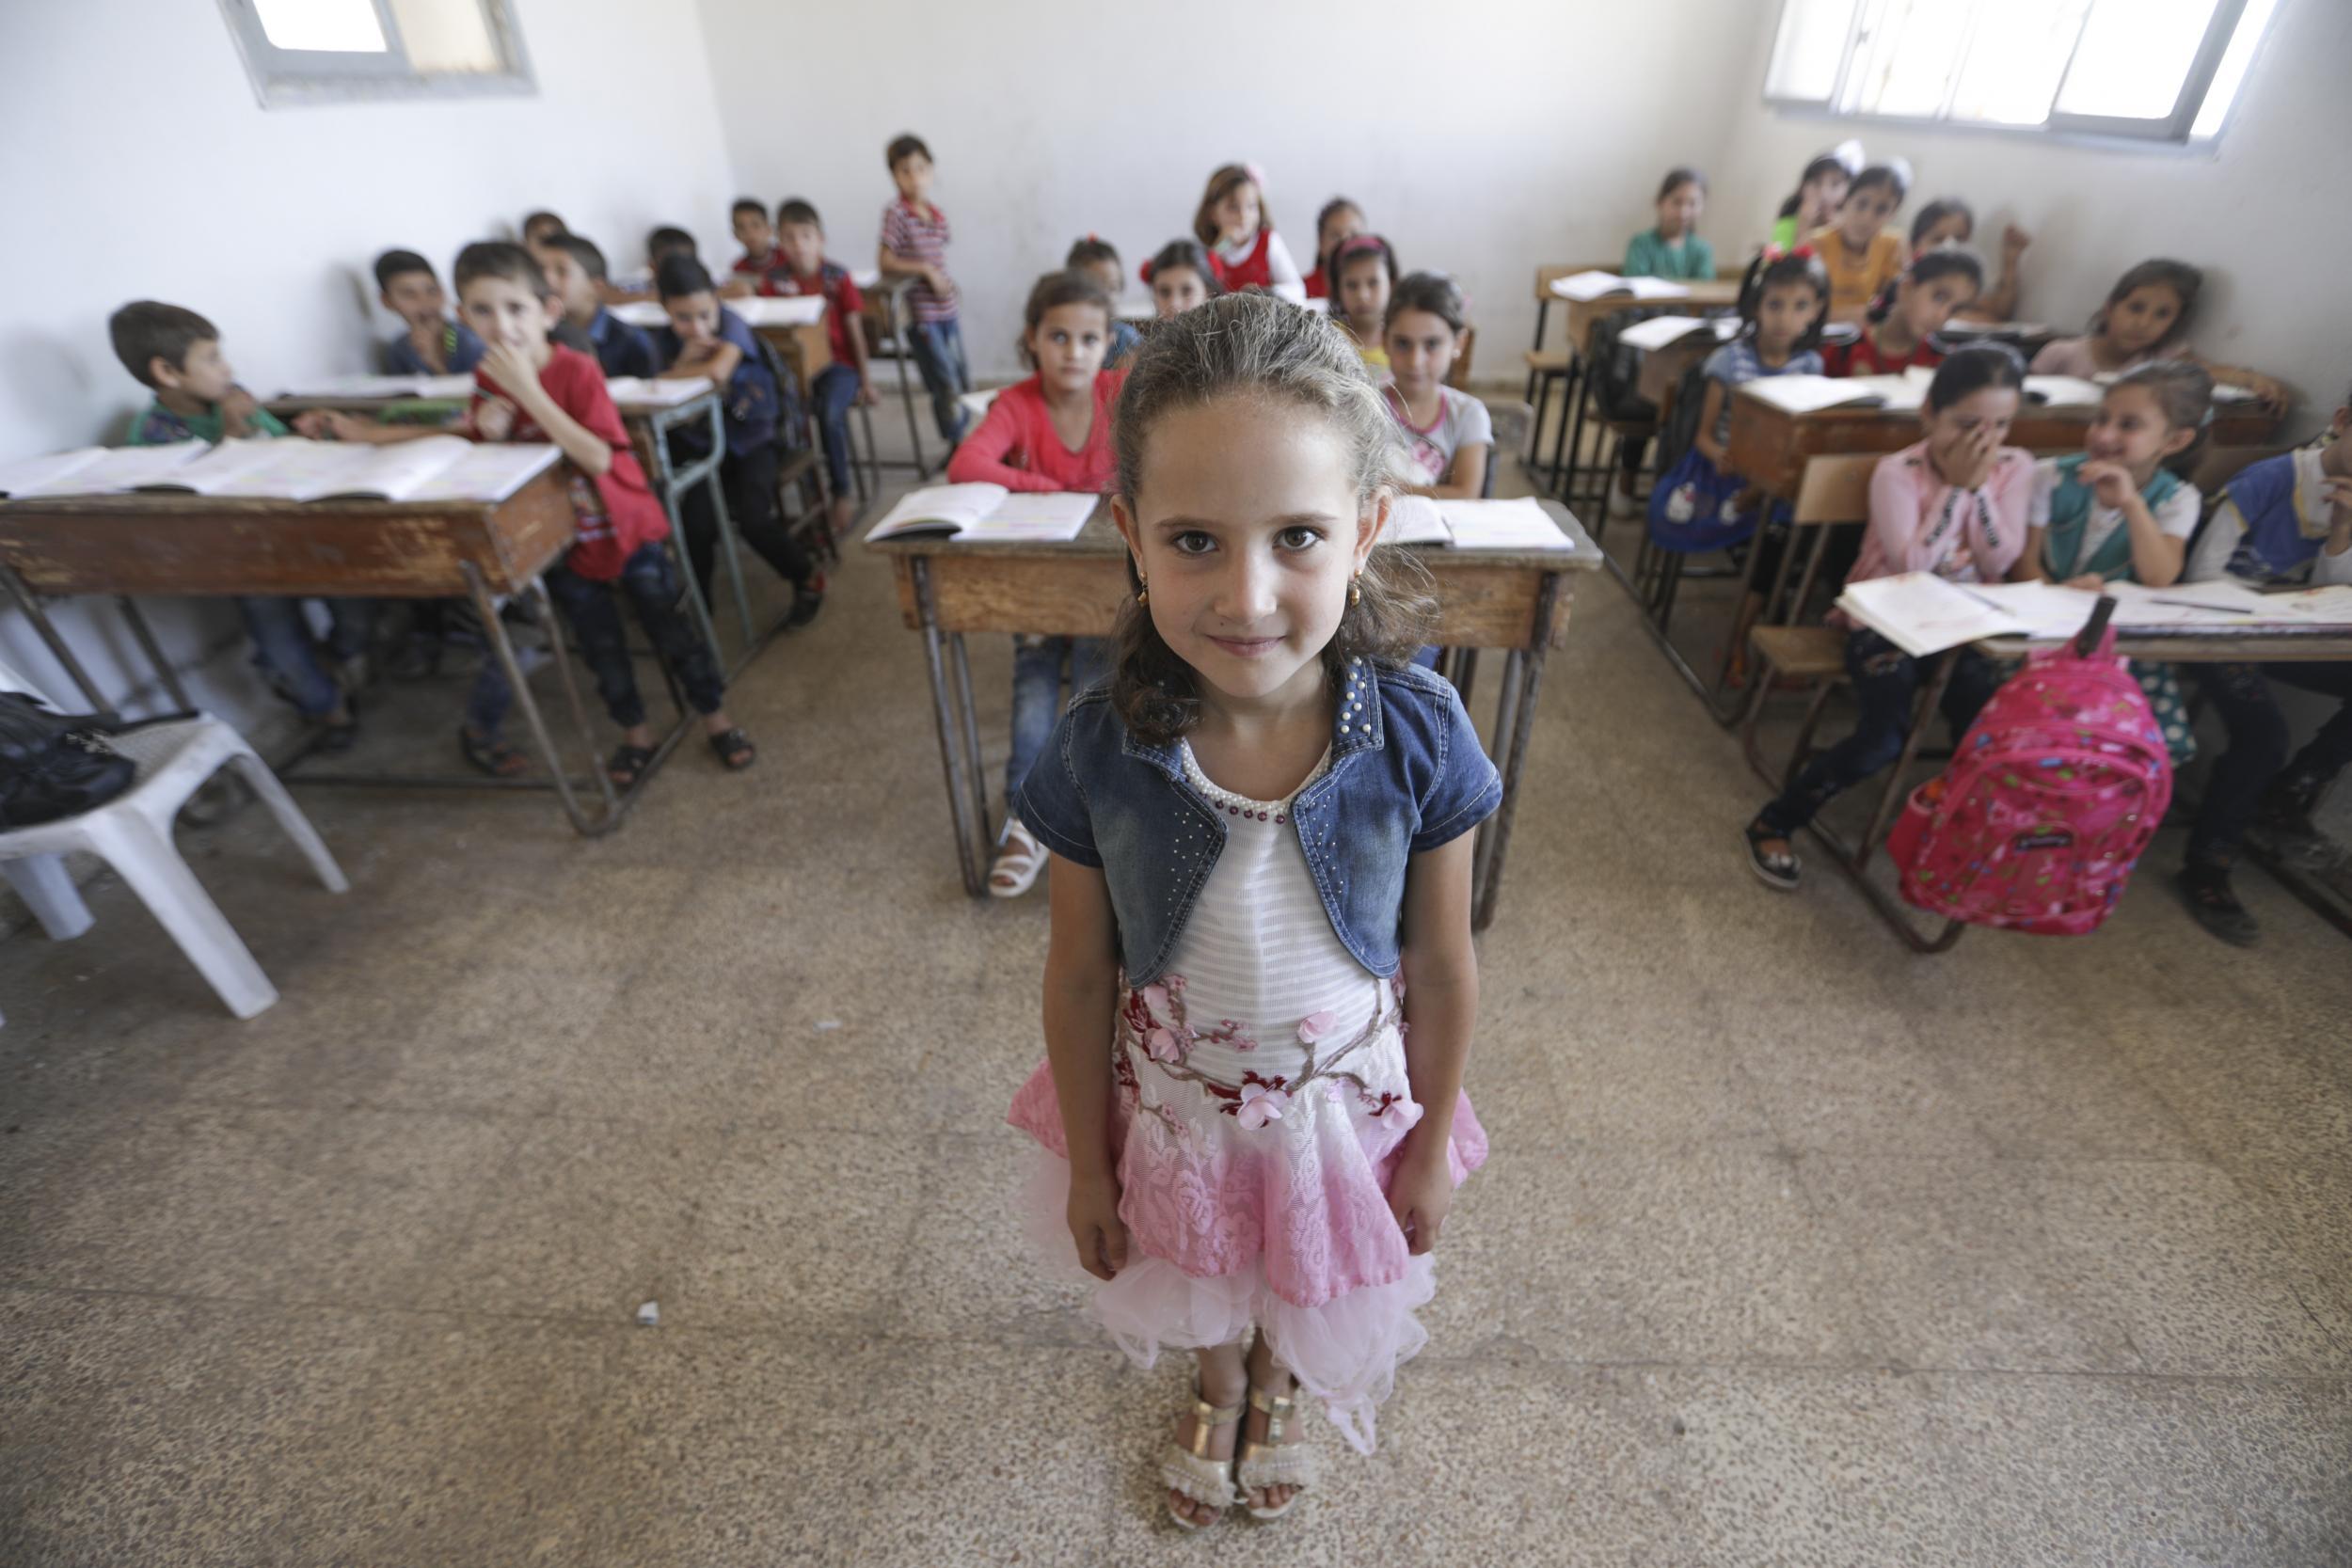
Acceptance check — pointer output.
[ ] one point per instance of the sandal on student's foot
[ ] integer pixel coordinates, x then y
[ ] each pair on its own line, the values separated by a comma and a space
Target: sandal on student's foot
1776, 870
1274, 1463
1192, 1472
627, 764
735, 748
489, 754
2214, 906
1018, 860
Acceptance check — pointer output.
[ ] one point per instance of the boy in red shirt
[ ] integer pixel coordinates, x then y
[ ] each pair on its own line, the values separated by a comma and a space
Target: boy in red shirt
753, 270
800, 268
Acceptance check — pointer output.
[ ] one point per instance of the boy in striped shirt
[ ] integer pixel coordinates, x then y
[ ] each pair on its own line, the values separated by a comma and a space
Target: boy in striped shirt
914, 244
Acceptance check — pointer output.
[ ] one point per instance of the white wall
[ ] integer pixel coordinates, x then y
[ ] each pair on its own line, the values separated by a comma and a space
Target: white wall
2264, 217
136, 163
1483, 138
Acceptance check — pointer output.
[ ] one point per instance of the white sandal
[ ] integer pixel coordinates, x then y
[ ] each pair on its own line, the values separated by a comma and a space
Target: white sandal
1192, 1472
1275, 1463
1018, 862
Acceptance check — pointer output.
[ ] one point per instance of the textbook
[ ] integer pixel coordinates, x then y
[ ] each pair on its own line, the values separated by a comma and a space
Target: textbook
437, 467
1475, 525
1807, 394
756, 311
1586, 286
435, 388
1922, 613
96, 470
1661, 331
633, 391
2063, 391
973, 512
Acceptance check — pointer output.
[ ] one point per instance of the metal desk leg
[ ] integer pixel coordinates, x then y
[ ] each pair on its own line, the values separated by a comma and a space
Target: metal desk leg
155, 651
905, 349
28, 601
672, 492
971, 730
500, 644
1854, 860
954, 734
1522, 678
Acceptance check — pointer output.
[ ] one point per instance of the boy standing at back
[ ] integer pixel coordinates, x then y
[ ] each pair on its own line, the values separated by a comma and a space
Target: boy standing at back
177, 353
801, 269
433, 345
914, 244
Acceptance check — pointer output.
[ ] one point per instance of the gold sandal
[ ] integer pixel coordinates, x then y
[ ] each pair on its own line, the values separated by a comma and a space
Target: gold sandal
1192, 1472
1273, 1461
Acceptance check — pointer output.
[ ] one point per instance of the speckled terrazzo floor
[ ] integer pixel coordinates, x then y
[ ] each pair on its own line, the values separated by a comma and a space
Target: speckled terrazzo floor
1794, 1249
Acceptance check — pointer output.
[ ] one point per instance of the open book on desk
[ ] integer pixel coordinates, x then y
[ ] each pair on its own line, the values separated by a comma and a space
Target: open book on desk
972, 512
1475, 525
755, 309
1584, 287
96, 470
437, 467
434, 388
633, 391
1660, 331
1922, 613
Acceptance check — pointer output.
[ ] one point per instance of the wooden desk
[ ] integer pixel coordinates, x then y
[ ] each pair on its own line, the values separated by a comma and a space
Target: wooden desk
1584, 318
1771, 446
1514, 600
183, 545
806, 347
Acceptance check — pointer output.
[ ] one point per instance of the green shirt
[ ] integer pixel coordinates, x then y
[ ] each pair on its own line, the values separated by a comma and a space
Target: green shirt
159, 426
1647, 255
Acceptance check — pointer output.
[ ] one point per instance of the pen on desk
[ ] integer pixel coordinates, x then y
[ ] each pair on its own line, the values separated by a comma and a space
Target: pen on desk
1980, 598
2192, 604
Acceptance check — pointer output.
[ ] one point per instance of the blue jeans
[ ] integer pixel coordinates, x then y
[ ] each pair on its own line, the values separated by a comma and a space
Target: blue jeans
589, 606
939, 354
1887, 687
283, 649
835, 389
1037, 665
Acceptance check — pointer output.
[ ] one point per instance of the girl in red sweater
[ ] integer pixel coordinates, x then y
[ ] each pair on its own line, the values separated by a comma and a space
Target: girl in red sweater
1052, 432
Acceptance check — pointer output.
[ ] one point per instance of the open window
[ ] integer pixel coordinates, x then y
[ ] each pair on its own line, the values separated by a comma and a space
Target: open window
333, 51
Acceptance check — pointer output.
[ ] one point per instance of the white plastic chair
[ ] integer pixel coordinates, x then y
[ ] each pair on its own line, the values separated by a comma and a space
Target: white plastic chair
131, 832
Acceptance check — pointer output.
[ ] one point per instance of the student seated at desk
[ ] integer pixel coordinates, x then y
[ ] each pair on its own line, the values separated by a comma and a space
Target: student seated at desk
1955, 503
1099, 260
1443, 435
433, 344
2286, 520
1051, 432
1861, 254
661, 243
574, 269
2146, 318
1363, 279
1821, 190
803, 269
1233, 226
1672, 248
706, 338
541, 226
2119, 511
914, 236
748, 220
176, 352
1949, 221
1900, 330
1340, 221
1181, 277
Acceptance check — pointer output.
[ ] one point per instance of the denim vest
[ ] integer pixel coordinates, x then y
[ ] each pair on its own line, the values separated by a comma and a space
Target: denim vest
1407, 775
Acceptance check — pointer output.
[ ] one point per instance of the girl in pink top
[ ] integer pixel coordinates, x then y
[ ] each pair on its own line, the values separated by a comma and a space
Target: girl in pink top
1954, 505
2146, 319
1052, 432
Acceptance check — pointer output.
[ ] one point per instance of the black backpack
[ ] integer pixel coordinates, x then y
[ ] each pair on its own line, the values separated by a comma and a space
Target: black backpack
54, 765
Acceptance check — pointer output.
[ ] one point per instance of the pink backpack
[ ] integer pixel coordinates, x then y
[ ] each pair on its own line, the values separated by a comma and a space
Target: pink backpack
2053, 793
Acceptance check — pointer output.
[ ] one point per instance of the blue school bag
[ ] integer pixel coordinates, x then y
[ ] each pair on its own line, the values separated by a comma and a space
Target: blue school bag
1693, 508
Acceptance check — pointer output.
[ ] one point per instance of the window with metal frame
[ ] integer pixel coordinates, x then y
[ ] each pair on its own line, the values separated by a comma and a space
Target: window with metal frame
334, 51
2157, 70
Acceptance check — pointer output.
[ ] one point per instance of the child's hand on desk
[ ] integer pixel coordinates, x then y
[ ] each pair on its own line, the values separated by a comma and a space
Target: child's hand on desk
2272, 391
494, 421
737, 287
1422, 1192
329, 424
2110, 482
2089, 582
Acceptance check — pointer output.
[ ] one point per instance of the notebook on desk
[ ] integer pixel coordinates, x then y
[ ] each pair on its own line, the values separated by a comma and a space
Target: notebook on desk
1584, 287
632, 391
436, 389
438, 468
1521, 524
96, 470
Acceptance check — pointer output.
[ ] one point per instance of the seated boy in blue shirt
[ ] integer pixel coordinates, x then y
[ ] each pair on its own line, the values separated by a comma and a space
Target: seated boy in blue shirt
706, 338
434, 344
177, 353
576, 271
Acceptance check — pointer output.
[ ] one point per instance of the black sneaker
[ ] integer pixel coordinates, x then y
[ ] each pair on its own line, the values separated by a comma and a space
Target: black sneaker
2285, 828
2214, 907
807, 602
1781, 870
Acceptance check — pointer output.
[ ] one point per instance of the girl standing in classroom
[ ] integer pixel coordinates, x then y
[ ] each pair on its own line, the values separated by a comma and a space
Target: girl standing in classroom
1672, 248
1261, 833
1340, 221
1233, 226
2146, 318
1953, 503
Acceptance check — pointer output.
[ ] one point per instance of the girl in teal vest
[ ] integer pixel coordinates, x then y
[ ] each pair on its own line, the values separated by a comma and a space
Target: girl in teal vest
2118, 512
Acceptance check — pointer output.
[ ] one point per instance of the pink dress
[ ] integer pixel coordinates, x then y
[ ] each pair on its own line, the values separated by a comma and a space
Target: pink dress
1258, 1098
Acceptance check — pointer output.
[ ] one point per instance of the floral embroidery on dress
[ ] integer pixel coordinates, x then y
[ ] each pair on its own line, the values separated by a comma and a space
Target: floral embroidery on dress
1153, 1019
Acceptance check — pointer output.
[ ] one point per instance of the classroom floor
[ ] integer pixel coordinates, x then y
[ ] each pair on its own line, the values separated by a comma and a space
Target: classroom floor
1793, 1249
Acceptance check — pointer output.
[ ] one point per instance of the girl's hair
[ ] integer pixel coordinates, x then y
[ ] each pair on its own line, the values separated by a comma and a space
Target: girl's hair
1945, 261
2184, 394
1678, 177
1331, 208
1349, 252
1058, 289
1972, 370
2179, 277
1936, 212
1433, 292
1189, 255
1788, 268
1895, 177
1841, 159
1092, 251
1221, 184
1254, 345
